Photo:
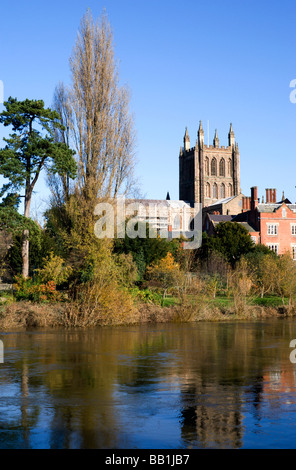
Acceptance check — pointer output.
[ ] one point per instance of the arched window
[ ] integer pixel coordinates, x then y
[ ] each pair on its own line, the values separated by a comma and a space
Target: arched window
222, 191
207, 167
215, 191
208, 190
229, 167
214, 167
230, 189
222, 167
177, 222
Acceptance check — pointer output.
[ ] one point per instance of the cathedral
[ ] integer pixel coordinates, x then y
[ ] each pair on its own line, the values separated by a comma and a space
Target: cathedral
208, 173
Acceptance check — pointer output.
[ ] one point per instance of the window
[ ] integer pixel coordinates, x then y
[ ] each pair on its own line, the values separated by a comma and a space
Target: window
293, 252
215, 191
254, 239
274, 247
222, 167
272, 229
208, 190
214, 167
222, 191
284, 213
293, 229
230, 189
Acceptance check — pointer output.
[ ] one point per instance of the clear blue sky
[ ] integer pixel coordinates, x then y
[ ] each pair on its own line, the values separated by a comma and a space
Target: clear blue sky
184, 61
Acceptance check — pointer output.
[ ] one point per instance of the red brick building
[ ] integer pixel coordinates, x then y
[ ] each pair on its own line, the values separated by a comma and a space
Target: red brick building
273, 223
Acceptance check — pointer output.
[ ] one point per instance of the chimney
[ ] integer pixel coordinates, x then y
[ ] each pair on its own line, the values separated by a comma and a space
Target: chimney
246, 203
270, 196
254, 197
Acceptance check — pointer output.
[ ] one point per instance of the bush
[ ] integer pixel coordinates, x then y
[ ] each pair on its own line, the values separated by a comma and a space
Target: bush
147, 296
54, 270
26, 289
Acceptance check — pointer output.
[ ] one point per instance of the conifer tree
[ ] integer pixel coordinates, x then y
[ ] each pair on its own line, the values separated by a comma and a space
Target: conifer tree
29, 149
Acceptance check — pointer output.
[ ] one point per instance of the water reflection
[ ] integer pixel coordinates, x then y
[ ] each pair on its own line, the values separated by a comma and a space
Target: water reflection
204, 385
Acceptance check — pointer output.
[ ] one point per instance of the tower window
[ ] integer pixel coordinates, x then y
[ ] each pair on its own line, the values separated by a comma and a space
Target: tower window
215, 191
222, 191
208, 190
222, 167
214, 167
230, 189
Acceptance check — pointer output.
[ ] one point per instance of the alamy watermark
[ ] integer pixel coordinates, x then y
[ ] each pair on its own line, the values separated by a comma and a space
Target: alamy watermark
1, 92
167, 219
1, 352
293, 353
293, 92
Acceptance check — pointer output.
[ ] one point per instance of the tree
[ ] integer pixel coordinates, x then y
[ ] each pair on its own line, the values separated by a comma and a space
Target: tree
229, 238
30, 149
145, 251
95, 111
263, 264
166, 273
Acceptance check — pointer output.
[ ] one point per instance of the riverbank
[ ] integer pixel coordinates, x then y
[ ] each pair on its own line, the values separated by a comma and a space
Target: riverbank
26, 315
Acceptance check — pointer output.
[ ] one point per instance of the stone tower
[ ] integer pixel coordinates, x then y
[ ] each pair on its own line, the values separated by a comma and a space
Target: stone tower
208, 173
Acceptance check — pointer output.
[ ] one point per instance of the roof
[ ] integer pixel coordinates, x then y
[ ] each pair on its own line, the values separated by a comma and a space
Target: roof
241, 219
163, 202
247, 226
216, 218
222, 201
270, 207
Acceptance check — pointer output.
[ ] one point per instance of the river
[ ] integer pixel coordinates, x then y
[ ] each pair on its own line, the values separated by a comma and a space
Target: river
166, 386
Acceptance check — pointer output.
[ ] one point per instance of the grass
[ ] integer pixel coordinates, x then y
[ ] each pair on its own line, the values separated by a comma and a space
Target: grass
271, 301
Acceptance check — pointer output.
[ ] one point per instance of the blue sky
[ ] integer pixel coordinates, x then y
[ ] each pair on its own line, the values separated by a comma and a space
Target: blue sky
219, 62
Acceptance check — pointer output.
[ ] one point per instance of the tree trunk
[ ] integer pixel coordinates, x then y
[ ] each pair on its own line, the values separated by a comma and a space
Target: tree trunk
25, 244
25, 254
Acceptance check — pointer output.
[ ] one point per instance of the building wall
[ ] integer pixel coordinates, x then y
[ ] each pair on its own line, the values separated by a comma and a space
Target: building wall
284, 239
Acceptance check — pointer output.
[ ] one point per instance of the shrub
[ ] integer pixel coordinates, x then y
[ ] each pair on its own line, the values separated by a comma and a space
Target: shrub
54, 270
26, 289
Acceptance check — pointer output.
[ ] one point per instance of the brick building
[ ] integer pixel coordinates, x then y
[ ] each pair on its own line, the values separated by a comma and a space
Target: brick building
272, 223
208, 173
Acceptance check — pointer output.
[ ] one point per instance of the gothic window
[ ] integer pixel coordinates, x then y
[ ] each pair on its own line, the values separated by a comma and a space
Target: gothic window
207, 167
208, 190
214, 167
215, 191
222, 167
177, 222
222, 191
229, 167
230, 189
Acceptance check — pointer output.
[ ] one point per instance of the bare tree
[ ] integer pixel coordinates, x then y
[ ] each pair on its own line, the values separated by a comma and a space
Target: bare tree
95, 112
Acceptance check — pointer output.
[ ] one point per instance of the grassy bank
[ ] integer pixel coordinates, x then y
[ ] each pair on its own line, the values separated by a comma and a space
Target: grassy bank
27, 315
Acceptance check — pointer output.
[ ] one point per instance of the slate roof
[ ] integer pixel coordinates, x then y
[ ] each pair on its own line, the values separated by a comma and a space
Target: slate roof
217, 218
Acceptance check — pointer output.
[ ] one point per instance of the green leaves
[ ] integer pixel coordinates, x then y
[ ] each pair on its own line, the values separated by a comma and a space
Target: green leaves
231, 239
21, 114
32, 146
29, 149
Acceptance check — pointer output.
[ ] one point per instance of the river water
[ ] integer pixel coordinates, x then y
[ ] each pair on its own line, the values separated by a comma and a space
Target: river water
166, 386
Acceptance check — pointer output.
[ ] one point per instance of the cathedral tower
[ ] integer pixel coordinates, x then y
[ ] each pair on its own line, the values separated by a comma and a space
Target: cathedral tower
209, 173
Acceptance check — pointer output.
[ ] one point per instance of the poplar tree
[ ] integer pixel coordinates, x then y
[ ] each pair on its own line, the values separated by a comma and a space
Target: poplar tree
94, 109
30, 148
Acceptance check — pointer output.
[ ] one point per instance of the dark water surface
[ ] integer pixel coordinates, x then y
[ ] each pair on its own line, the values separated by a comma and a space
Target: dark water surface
195, 385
